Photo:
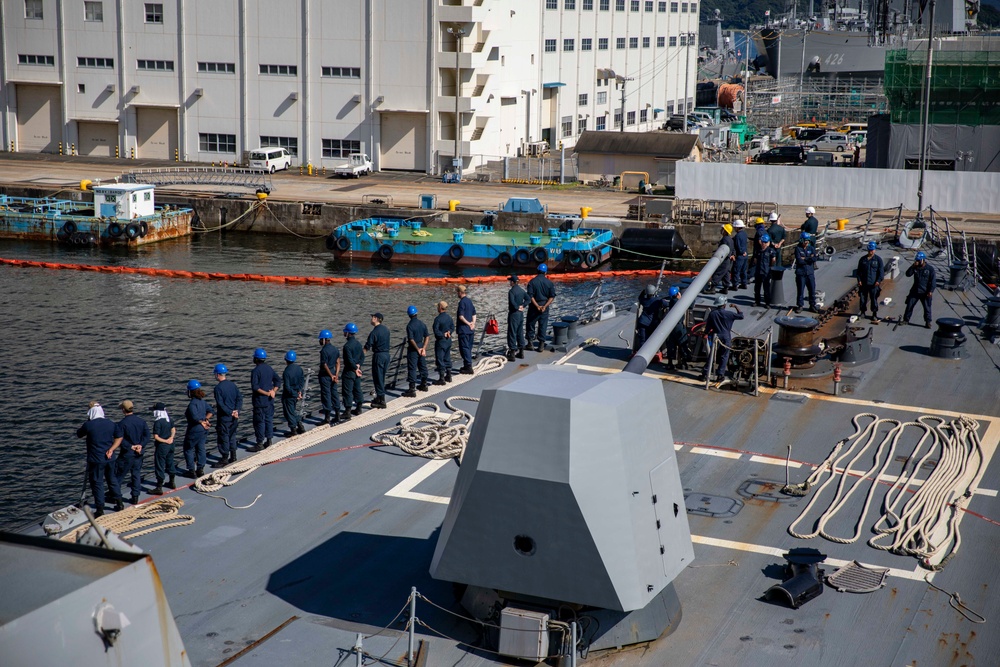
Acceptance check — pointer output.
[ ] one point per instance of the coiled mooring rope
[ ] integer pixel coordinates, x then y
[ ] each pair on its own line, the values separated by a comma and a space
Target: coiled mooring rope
138, 520
435, 435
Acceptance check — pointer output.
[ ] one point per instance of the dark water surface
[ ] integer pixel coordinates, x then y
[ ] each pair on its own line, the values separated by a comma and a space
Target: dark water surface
69, 337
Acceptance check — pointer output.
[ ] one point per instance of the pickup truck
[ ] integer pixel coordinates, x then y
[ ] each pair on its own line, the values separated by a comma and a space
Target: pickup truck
358, 165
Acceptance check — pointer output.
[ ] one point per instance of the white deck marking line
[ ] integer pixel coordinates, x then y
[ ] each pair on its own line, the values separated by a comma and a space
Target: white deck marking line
914, 575
716, 452
773, 460
405, 488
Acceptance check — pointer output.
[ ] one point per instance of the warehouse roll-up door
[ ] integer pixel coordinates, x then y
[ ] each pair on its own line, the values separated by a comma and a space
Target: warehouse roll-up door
404, 141
39, 119
156, 133
97, 139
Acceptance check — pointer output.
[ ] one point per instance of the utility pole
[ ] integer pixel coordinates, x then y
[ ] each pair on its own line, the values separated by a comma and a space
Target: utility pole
459, 33
687, 73
620, 81
925, 115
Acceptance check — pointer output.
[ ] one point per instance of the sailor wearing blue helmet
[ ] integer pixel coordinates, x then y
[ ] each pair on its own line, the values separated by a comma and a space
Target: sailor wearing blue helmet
350, 379
764, 261
264, 384
293, 383
329, 375
870, 273
805, 273
541, 292
922, 290
228, 403
417, 336
198, 416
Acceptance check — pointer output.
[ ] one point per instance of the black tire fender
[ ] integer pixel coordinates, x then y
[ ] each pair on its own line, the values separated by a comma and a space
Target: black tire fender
386, 252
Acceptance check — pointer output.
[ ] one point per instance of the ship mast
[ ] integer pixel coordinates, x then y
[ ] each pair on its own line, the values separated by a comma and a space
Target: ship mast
925, 114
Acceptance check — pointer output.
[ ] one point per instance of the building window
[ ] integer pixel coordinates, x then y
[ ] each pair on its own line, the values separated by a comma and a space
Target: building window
645, 42
602, 43
684, 7
27, 59
602, 97
586, 44
569, 4
342, 72
280, 70
648, 6
618, 117
290, 144
567, 126
643, 115
619, 5
216, 143
673, 7
670, 108
588, 5
631, 118
551, 4
600, 123
633, 42
661, 6
340, 147
581, 99
569, 44
634, 5
605, 5
619, 42
33, 9
694, 7
660, 42
683, 40
93, 11
550, 46
99, 63
154, 12
155, 65
217, 68
673, 40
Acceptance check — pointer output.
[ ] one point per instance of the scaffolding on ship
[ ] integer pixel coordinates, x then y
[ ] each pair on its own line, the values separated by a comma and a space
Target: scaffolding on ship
841, 100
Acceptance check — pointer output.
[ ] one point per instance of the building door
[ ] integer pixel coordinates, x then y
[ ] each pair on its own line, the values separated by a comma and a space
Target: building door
97, 139
156, 133
39, 119
404, 141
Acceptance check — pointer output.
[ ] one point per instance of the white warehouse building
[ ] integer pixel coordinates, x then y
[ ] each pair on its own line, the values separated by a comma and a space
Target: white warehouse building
209, 80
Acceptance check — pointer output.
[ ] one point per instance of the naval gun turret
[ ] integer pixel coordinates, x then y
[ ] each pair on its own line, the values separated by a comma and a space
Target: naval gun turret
569, 498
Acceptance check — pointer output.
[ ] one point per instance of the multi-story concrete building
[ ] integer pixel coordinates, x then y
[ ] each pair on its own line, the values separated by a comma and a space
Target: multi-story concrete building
207, 80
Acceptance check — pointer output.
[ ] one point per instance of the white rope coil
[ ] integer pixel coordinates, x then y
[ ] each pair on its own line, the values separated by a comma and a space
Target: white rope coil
437, 435
927, 525
138, 520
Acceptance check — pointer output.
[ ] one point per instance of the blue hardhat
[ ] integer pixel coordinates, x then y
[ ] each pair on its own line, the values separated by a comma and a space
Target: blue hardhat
411, 311
542, 268
260, 353
220, 369
921, 256
351, 328
193, 384
805, 236
765, 238
290, 355
872, 245
325, 333
674, 291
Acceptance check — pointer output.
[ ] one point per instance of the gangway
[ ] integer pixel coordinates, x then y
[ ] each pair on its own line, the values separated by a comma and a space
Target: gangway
223, 177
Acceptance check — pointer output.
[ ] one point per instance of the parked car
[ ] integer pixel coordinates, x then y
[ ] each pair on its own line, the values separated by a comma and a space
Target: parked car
728, 116
676, 122
758, 145
357, 165
810, 133
783, 155
832, 141
270, 159
859, 137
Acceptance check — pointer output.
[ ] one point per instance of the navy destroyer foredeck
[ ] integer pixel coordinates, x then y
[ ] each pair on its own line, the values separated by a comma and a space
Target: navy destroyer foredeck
342, 531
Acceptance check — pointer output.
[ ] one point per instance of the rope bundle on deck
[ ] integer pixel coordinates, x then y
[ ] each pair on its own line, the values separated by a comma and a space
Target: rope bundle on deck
138, 520
435, 435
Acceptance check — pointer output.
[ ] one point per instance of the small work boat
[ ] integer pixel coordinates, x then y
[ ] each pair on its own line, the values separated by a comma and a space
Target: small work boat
405, 240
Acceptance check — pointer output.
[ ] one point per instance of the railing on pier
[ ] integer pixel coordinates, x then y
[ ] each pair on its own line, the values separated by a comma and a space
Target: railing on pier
226, 177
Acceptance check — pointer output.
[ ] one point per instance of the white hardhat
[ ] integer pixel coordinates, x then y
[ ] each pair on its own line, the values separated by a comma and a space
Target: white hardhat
810, 210
739, 224
773, 216
720, 301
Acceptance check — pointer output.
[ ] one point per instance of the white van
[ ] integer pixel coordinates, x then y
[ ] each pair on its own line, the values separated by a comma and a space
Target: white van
270, 159
831, 141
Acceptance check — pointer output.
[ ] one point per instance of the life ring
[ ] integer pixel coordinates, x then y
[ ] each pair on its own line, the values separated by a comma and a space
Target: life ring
574, 258
69, 228
132, 231
540, 255
115, 229
385, 252
456, 252
343, 244
522, 256
143, 228
504, 259
591, 259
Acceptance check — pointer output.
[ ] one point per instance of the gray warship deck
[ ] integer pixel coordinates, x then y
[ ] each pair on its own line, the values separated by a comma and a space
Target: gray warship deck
341, 533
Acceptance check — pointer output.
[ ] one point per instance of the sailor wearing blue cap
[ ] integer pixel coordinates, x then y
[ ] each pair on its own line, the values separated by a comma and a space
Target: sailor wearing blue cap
763, 262
381, 348
131, 436
805, 273
198, 416
293, 383
329, 375
870, 273
541, 292
466, 318
264, 384
228, 403
922, 290
416, 353
350, 379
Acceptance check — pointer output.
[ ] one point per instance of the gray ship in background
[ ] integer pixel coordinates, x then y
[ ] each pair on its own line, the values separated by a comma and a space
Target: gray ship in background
851, 41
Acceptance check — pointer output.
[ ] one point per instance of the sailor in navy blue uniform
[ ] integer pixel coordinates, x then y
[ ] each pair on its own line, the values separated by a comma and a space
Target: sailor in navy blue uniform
100, 434
293, 383
922, 290
131, 436
163, 452
228, 403
739, 276
466, 318
870, 273
517, 301
443, 327
719, 322
264, 384
417, 337
649, 301
805, 273
198, 416
381, 348
541, 292
350, 379
764, 261
329, 376
811, 225
721, 278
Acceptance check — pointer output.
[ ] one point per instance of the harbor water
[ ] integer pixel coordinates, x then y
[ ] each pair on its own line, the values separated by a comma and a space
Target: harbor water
70, 337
